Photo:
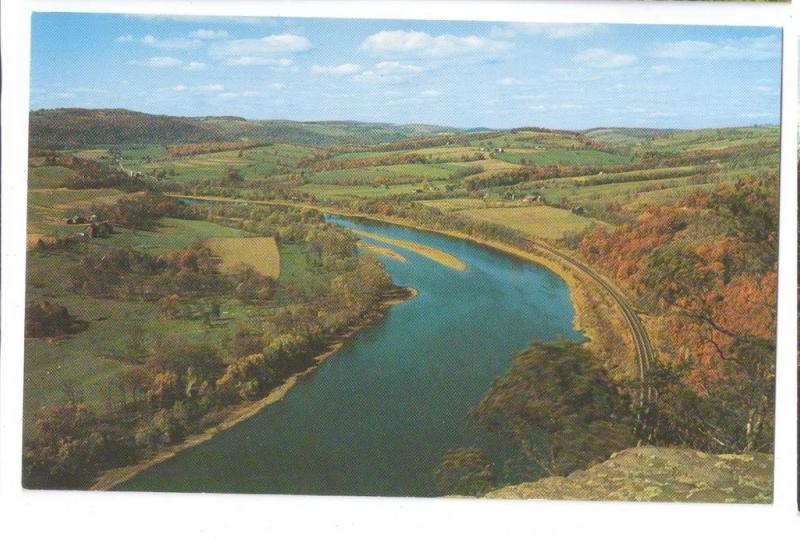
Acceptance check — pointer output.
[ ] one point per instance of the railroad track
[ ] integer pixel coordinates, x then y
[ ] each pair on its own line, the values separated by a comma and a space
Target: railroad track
645, 354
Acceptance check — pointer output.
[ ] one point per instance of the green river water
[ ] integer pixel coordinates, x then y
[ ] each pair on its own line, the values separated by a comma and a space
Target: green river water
377, 416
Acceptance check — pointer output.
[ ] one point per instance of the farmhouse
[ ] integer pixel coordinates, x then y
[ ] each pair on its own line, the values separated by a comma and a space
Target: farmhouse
531, 199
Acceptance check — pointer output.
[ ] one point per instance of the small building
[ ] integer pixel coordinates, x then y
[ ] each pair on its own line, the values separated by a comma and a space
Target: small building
579, 211
533, 199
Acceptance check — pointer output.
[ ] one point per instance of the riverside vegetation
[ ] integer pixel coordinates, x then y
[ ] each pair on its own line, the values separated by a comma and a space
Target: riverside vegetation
683, 222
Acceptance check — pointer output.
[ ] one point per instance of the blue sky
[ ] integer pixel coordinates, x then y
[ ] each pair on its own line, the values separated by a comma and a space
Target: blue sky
462, 74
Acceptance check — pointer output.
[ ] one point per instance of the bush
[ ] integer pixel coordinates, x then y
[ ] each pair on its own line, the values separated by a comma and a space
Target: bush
44, 319
69, 445
560, 408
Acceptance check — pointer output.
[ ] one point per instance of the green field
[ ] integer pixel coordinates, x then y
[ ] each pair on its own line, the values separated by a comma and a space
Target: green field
535, 220
252, 163
405, 173
47, 176
439, 153
564, 157
333, 191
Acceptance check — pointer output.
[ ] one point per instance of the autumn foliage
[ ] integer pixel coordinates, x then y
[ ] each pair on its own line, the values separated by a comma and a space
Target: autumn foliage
708, 265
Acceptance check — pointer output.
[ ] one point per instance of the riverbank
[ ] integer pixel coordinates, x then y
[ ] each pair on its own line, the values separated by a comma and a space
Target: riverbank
597, 314
238, 413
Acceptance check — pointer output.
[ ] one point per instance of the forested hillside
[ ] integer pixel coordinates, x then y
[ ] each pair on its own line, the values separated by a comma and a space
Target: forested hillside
75, 128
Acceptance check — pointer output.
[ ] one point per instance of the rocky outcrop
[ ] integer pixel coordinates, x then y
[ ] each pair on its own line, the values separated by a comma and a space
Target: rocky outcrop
649, 473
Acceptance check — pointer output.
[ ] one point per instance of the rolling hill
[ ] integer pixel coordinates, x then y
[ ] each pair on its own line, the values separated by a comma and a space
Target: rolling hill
76, 128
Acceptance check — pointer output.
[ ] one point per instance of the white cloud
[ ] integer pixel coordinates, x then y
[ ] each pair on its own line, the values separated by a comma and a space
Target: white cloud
171, 43
430, 93
88, 90
259, 61
660, 114
389, 71
127, 38
556, 107
755, 116
158, 62
527, 97
265, 51
194, 66
277, 86
421, 44
509, 81
244, 93
341, 69
769, 90
760, 48
575, 75
203, 88
604, 58
202, 33
64, 95
661, 69
552, 31
205, 19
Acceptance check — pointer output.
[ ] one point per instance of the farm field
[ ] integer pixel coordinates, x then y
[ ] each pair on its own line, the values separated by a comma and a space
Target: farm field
563, 157
260, 253
539, 220
373, 191
404, 173
252, 163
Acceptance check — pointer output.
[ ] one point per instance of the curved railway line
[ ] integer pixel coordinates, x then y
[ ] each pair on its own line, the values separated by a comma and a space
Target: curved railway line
645, 354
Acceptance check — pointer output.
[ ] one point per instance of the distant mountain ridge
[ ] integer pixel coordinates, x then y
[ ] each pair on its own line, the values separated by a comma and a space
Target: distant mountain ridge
70, 128
75, 127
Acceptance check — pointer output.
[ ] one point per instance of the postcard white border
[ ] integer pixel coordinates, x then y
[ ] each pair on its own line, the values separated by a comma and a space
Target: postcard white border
30, 514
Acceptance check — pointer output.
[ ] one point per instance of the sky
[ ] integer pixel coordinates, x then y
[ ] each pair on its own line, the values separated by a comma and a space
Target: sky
451, 73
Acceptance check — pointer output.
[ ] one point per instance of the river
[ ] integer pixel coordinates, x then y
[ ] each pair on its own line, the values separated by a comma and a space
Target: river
377, 416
